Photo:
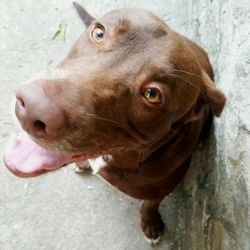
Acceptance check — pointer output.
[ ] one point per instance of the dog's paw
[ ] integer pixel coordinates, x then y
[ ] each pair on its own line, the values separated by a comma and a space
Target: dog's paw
82, 167
153, 242
152, 228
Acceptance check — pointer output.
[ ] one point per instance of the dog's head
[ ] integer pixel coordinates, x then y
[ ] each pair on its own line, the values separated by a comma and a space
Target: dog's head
127, 80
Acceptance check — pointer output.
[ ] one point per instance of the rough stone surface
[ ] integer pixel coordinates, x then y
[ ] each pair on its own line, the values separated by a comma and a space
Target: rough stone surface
62, 210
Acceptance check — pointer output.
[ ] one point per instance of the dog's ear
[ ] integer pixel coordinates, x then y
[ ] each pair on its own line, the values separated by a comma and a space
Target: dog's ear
84, 15
213, 96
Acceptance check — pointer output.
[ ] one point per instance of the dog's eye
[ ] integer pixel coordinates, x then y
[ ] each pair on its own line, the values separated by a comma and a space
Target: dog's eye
152, 95
98, 34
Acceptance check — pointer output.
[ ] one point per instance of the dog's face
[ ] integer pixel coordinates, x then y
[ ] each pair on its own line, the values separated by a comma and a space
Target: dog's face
123, 84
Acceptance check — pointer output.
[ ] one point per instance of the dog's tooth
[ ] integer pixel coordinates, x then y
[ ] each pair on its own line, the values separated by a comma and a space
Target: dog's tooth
78, 170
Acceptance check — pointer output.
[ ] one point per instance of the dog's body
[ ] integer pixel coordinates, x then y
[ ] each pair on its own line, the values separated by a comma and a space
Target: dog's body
134, 94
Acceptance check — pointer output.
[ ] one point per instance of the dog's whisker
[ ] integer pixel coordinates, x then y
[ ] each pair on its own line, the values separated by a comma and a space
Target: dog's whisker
97, 117
185, 80
185, 72
117, 124
177, 133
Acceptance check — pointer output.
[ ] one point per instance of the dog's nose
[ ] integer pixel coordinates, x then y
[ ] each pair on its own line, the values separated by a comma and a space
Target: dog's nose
37, 113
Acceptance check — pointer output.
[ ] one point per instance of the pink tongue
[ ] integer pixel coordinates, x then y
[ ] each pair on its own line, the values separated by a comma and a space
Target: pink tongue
25, 158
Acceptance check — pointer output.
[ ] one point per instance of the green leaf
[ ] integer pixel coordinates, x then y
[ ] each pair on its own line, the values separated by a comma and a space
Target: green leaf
59, 31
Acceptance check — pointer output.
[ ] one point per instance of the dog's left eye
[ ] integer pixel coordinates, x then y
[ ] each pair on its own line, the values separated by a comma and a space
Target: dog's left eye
152, 95
98, 34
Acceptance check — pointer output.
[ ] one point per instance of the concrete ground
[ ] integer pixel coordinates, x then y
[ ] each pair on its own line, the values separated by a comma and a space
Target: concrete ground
59, 210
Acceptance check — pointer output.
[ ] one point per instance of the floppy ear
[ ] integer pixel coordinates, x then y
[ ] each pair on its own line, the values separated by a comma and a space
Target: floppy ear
213, 96
84, 15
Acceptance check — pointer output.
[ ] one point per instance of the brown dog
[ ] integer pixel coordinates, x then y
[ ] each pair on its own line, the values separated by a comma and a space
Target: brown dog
132, 96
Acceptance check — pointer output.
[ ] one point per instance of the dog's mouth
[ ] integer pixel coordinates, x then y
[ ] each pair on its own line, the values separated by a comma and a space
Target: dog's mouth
24, 158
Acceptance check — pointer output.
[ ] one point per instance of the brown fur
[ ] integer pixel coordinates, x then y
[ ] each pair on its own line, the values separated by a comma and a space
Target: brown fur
102, 101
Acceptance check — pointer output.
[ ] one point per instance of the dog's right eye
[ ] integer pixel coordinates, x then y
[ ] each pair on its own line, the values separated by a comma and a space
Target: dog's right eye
152, 95
98, 34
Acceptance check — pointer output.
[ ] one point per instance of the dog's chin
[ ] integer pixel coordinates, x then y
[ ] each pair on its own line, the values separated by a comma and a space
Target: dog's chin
25, 158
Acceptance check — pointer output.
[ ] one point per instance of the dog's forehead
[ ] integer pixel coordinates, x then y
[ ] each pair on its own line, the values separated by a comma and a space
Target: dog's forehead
135, 17
137, 48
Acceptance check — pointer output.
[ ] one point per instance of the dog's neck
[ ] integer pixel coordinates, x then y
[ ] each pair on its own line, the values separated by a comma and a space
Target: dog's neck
132, 159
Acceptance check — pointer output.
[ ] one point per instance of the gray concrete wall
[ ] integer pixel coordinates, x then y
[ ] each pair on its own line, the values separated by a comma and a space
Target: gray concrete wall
61, 210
